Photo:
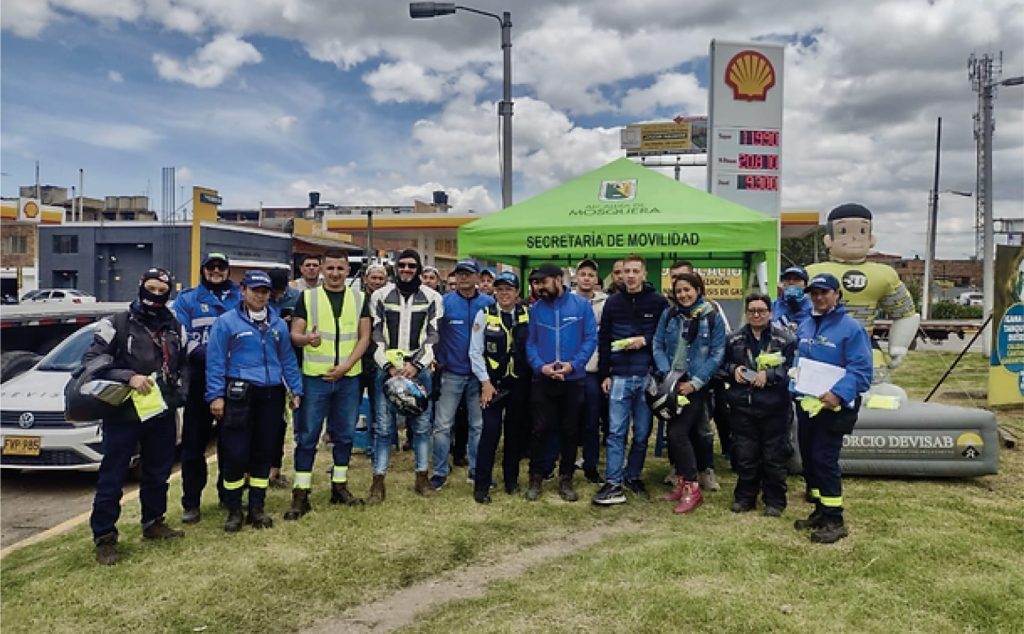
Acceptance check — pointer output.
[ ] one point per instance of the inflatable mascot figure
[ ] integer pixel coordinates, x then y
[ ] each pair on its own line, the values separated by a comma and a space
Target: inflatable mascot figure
868, 287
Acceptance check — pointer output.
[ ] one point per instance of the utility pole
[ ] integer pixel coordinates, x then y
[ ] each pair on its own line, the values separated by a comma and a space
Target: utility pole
984, 75
933, 218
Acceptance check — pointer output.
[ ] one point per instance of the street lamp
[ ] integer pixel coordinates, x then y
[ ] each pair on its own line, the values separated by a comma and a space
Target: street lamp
929, 252
434, 9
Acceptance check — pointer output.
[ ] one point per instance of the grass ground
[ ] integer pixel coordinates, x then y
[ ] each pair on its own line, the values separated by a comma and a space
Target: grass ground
924, 555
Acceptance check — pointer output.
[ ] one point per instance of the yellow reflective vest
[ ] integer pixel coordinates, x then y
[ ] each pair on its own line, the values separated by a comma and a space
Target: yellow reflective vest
338, 337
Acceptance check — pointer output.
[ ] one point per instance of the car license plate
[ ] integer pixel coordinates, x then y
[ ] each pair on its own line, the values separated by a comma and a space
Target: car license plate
21, 445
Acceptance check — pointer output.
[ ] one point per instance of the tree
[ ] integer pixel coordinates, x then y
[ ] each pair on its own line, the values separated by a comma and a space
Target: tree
806, 250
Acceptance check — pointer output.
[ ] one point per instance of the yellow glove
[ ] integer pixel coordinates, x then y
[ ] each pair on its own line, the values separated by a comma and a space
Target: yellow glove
813, 406
767, 360
682, 400
621, 344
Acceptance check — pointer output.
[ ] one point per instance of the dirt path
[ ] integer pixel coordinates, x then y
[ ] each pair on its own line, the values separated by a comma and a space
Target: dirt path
401, 608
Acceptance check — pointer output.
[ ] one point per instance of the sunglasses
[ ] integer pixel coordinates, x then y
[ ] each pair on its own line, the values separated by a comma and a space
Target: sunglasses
407, 265
216, 266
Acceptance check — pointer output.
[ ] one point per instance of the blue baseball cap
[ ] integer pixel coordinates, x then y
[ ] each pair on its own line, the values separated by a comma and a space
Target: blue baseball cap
798, 271
507, 277
487, 271
256, 279
467, 265
825, 282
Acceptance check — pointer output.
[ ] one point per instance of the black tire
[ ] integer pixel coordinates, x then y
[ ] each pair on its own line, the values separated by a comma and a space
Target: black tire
15, 362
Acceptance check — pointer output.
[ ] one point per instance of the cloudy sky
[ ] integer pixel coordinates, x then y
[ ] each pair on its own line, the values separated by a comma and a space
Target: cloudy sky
268, 99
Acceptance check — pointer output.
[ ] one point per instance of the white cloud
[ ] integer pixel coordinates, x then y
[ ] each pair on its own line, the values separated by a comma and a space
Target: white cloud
115, 77
285, 123
672, 91
210, 65
27, 18
183, 175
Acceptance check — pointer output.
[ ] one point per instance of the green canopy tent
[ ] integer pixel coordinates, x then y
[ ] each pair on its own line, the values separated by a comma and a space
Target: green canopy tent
625, 208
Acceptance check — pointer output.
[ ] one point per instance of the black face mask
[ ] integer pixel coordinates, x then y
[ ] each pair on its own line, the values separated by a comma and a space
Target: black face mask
217, 288
152, 303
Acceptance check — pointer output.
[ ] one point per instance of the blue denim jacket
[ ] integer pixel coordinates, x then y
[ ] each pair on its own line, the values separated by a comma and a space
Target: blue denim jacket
705, 354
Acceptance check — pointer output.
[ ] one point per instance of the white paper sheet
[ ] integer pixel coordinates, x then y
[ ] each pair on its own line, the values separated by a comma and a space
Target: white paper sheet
815, 378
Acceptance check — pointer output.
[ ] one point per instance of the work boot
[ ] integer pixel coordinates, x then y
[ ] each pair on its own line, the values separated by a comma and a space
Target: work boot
692, 498
422, 486
258, 518
565, 490
234, 521
743, 506
481, 497
190, 516
707, 480
160, 530
815, 520
106, 550
341, 495
300, 504
677, 491
533, 491
377, 490
830, 532
773, 511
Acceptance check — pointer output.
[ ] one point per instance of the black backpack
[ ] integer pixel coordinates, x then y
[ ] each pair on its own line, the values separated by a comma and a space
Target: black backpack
81, 408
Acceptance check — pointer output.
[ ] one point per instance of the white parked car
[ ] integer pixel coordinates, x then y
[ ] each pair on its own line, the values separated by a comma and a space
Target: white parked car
972, 298
35, 434
51, 295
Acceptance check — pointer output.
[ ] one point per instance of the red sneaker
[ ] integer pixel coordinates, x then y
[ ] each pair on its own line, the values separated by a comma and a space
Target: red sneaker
677, 492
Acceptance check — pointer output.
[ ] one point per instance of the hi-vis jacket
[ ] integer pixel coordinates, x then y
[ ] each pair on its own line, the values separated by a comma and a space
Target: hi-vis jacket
497, 349
338, 337
404, 328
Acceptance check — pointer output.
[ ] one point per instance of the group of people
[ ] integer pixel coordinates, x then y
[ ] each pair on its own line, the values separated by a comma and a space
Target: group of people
551, 372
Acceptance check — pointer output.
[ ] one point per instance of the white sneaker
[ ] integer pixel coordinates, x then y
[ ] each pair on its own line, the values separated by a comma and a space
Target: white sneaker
707, 480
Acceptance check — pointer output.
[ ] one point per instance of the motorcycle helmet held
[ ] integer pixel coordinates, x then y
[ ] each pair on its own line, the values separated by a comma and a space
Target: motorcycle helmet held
408, 397
661, 395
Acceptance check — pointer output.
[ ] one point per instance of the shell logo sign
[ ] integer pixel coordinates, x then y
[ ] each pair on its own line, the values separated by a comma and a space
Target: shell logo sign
750, 75
31, 210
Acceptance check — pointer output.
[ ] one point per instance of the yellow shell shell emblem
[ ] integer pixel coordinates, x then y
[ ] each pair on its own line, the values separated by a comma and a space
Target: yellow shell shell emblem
750, 75
31, 209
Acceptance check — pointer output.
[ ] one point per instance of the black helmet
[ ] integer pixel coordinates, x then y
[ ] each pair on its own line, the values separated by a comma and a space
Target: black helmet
408, 397
662, 395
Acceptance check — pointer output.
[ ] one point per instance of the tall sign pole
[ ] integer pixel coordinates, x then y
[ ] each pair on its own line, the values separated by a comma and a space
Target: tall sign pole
933, 218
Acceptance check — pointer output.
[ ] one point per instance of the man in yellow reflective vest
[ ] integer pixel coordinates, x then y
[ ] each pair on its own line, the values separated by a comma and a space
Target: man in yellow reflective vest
331, 324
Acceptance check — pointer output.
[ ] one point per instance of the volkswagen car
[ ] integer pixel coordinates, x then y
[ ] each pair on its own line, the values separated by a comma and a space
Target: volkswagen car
35, 434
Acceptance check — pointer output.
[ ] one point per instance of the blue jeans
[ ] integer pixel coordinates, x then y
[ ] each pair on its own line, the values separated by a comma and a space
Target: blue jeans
455, 387
384, 425
336, 401
626, 399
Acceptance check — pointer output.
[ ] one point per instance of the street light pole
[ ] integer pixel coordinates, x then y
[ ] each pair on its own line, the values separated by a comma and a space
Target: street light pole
435, 9
933, 217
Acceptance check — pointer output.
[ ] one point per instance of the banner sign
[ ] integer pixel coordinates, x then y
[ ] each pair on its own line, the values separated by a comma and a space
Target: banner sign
1006, 365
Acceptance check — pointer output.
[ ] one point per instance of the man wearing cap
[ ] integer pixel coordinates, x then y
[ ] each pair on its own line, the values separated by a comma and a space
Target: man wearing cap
792, 305
197, 308
830, 336
867, 287
562, 338
497, 352
405, 316
487, 281
250, 366
332, 325
595, 404
626, 357
458, 384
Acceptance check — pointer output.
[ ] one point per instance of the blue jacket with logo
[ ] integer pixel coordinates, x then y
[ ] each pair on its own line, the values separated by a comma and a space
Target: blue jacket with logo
239, 349
197, 308
838, 339
454, 329
562, 330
